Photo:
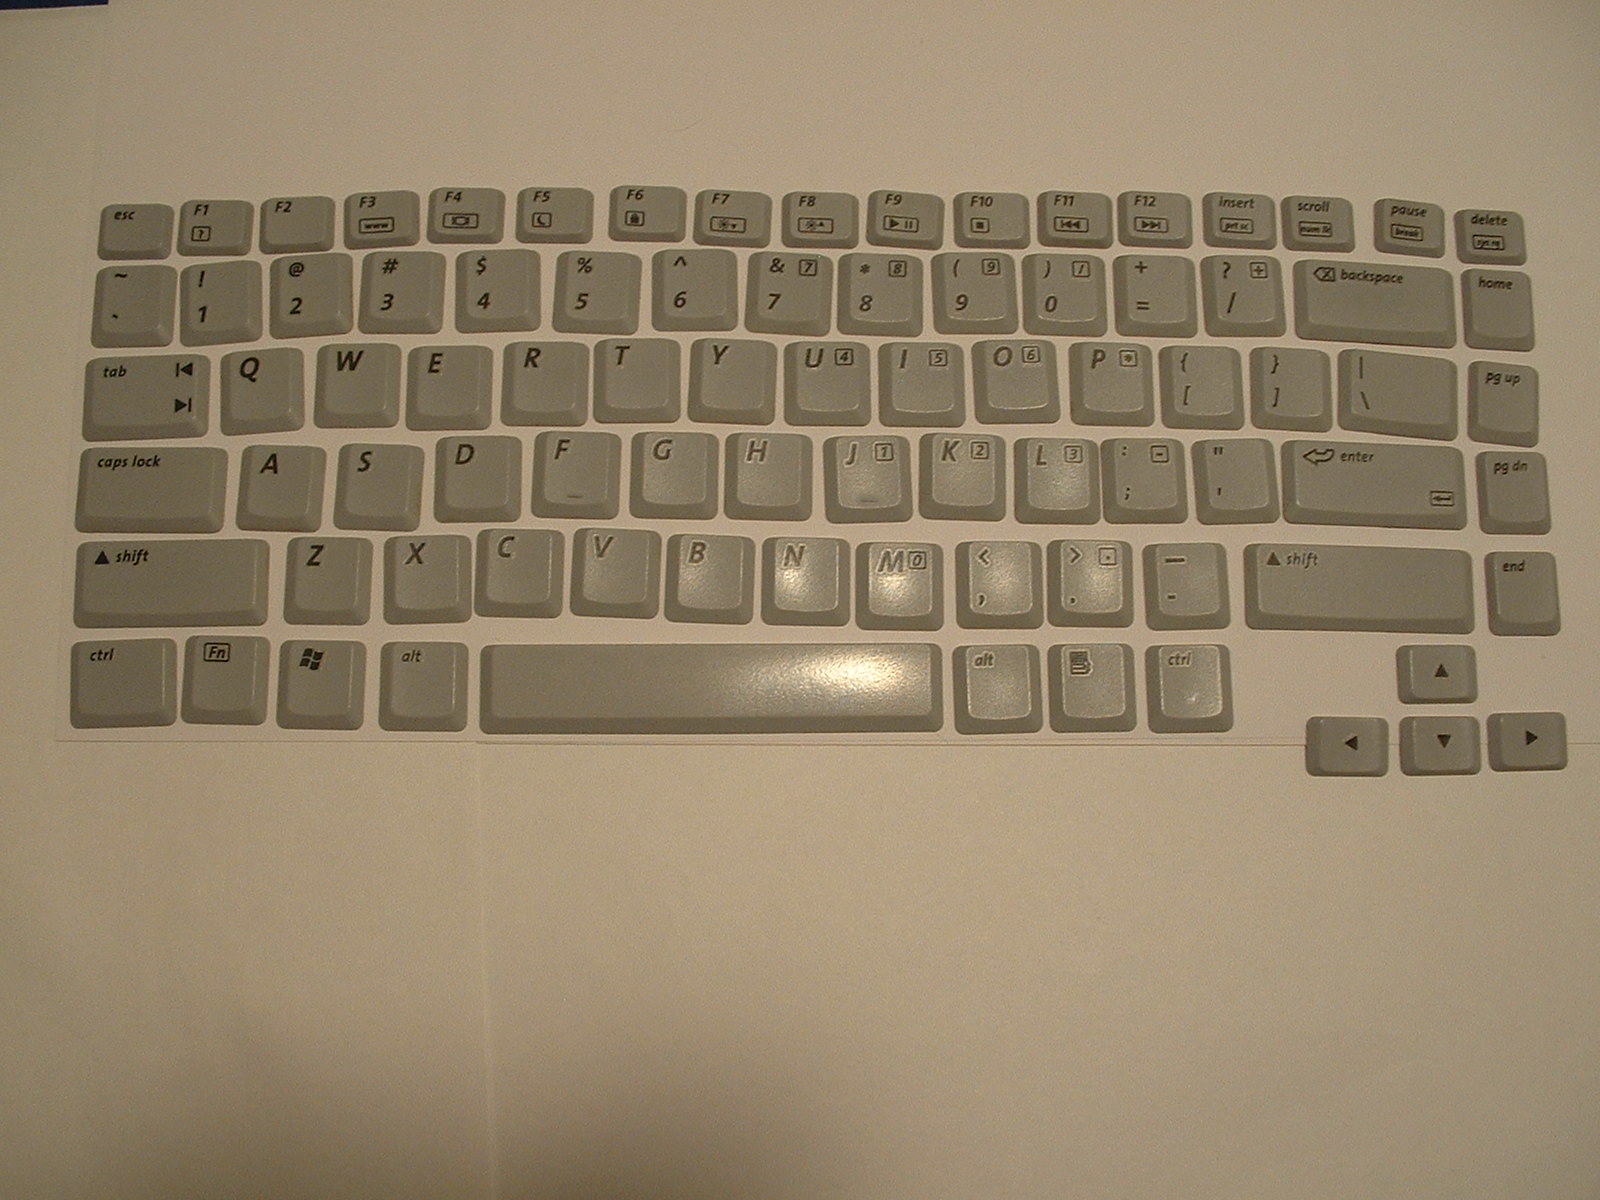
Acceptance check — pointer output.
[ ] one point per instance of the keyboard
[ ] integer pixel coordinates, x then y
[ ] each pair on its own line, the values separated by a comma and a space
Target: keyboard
987, 468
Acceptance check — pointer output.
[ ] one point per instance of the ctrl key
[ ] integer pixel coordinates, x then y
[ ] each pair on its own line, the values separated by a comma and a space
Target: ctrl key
117, 685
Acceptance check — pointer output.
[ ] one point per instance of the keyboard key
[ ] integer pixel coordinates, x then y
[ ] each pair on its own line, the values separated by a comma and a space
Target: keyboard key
768, 477
328, 581
427, 579
219, 302
449, 387
820, 219
402, 292
997, 689
1527, 741
710, 579
648, 214
1347, 746
1091, 688
1410, 395
477, 479
521, 573
559, 214
297, 225
716, 689
1014, 382
911, 219
373, 220
1189, 688
1513, 495
311, 296
1408, 227
545, 383
674, 476
1202, 387
1318, 223
616, 573
1154, 295
422, 686
1058, 481
1522, 596
133, 306
215, 227
921, 383
732, 218
1385, 303
596, 292
1374, 483
1144, 480
379, 487
1154, 219
322, 685
1503, 404
1185, 586
358, 386
1388, 589
880, 295
225, 680
1439, 746
577, 474
135, 231
280, 487
997, 219
1243, 297
899, 585
1496, 310
974, 293
827, 383
1090, 583
146, 396
263, 391
1487, 235
1074, 219
789, 293
866, 479
215, 581
466, 215
1234, 481
999, 585
1063, 295
695, 289
1437, 674
123, 684
1291, 388
637, 380
805, 581
963, 478
1246, 221
733, 381
1111, 384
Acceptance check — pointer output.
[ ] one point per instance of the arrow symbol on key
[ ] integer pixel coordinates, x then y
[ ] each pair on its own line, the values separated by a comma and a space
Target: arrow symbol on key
1353, 741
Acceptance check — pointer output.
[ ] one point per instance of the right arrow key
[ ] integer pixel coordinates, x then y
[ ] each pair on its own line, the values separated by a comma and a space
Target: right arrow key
1527, 741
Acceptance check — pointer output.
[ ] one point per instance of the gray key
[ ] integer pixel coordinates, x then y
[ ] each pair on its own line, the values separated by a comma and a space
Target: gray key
497, 291
1185, 586
1074, 219
733, 381
997, 689
1408, 227
1392, 589
449, 387
1189, 689
1513, 493
1291, 388
521, 572
974, 293
559, 214
866, 479
135, 231
1154, 219
674, 476
477, 479
1234, 481
1347, 746
1154, 295
712, 689
122, 684
322, 685
1111, 384
1243, 296
263, 391
637, 379
1239, 219
1522, 594
402, 292
1436, 674
328, 581
1497, 310
1374, 483
768, 477
1527, 741
1058, 481
1064, 295
422, 687
1202, 387
311, 296
789, 293
616, 573
1318, 223
225, 680
211, 581
297, 225
596, 292
1411, 395
899, 585
1439, 746
922, 384
215, 227
997, 219
379, 487
1015, 382
427, 579
577, 474
1143, 480
1488, 235
726, 218
1503, 403
694, 289
998, 585
827, 383
219, 302
710, 579
963, 477
545, 383
147, 396
133, 306
1387, 303
648, 214
358, 386
280, 487
880, 295
910, 219
466, 215
820, 219
1090, 583
373, 220
1091, 688
805, 581
155, 489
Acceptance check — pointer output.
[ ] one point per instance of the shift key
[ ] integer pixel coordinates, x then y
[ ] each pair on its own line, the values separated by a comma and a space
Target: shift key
1394, 589
1383, 484
157, 583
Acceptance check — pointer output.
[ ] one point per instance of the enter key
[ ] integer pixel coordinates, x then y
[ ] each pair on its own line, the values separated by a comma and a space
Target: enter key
1374, 483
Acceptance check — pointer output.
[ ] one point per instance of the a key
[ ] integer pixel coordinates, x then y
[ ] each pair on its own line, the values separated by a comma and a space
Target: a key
375, 220
648, 214
219, 302
152, 490
637, 379
358, 386
1408, 227
880, 295
1185, 586
1091, 688
694, 290
1374, 483
674, 476
328, 581
297, 225
263, 391
1497, 310
921, 383
322, 685
1527, 741
733, 381
477, 479
521, 573
1390, 304
963, 477
616, 573
123, 684
379, 487
558, 214
1143, 480
1318, 223
1234, 481
820, 219
1411, 395
1347, 746
1436, 674
577, 474
974, 293
1522, 595
997, 689
146, 396
728, 218
710, 579
1439, 746
1243, 296
133, 306
1015, 382
427, 579
1202, 387
999, 585
711, 688
768, 477
448, 387
422, 686
1111, 384
1291, 388
805, 581
135, 231
402, 292
1503, 404
280, 487
1245, 221
993, 219
1154, 295
1089, 583
911, 219
1487, 235
1063, 295
1074, 219
545, 383
1513, 494
1189, 689
1154, 219
899, 585
866, 479
466, 215
311, 296
827, 383
225, 680
1058, 481
789, 294
1391, 589
596, 292
215, 227
210, 581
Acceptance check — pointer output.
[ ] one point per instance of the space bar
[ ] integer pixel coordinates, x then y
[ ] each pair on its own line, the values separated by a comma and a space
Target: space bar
711, 688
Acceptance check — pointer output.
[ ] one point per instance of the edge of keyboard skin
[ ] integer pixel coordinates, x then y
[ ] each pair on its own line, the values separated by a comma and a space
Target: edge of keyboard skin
1057, 467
